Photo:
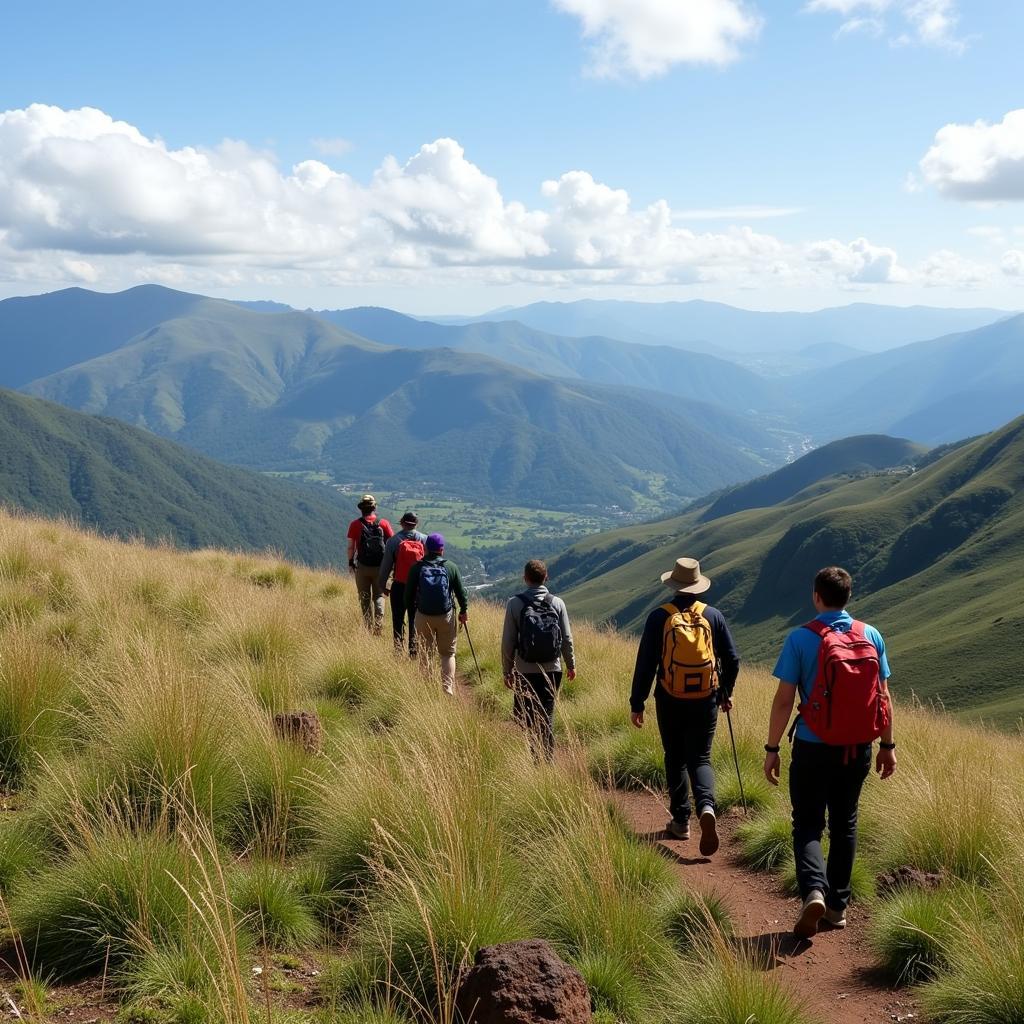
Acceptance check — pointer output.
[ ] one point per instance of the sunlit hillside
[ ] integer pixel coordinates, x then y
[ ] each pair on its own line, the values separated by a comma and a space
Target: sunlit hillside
165, 855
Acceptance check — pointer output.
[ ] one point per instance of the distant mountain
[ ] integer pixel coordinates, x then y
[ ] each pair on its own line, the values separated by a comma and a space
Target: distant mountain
602, 360
289, 391
852, 456
41, 334
922, 547
932, 391
125, 482
714, 327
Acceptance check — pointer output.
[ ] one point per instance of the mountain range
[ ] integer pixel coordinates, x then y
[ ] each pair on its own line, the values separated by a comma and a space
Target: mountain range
936, 554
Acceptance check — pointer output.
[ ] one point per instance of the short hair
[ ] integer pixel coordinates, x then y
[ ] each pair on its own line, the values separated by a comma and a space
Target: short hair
834, 586
535, 571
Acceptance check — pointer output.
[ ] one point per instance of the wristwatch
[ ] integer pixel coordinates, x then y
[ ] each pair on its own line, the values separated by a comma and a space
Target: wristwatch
887, 746
770, 750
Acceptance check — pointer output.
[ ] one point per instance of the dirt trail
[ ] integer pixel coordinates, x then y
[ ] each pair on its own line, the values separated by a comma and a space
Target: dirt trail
832, 974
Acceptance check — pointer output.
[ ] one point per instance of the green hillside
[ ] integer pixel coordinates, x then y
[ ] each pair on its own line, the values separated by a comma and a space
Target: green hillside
125, 482
289, 392
922, 547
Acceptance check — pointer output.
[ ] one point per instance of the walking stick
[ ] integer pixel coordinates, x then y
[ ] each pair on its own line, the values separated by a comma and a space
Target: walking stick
465, 626
736, 761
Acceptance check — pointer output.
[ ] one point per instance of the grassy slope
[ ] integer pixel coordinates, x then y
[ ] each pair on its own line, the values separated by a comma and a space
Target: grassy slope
922, 548
289, 391
123, 481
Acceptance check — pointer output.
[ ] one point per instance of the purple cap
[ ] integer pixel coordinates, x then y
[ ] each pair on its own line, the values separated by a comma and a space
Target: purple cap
435, 542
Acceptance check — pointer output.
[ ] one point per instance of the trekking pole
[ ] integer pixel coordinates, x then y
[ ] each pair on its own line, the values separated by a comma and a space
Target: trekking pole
736, 761
465, 626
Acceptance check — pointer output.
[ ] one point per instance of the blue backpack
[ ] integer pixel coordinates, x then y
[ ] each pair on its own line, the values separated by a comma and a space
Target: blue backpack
434, 596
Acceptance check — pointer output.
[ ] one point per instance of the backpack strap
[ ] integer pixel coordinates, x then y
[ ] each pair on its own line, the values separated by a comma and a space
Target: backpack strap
670, 609
699, 607
818, 627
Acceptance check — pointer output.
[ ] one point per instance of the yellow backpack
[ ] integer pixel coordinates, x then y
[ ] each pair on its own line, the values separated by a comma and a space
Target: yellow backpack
687, 653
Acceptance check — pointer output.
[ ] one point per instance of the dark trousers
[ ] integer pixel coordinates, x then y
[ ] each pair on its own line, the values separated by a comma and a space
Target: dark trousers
533, 707
401, 620
687, 730
825, 779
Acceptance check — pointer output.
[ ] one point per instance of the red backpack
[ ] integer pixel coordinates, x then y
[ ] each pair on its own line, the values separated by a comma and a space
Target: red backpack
408, 554
847, 705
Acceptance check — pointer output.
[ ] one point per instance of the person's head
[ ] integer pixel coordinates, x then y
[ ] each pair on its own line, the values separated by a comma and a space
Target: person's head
367, 504
435, 544
409, 520
535, 573
832, 588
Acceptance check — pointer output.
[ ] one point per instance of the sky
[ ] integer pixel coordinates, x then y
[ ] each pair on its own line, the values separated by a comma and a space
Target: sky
463, 155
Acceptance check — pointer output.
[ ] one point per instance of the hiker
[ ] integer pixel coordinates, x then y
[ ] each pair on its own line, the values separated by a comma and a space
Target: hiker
536, 638
367, 537
686, 645
839, 668
401, 553
433, 586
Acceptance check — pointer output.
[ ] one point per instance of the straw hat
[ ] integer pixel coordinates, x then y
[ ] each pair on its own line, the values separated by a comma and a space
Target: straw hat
686, 577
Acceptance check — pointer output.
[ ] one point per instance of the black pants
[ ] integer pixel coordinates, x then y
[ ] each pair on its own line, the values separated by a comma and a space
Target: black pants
687, 730
533, 707
400, 619
828, 779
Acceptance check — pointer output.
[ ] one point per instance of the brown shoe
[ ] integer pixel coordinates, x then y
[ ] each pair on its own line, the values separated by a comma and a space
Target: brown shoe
678, 829
708, 833
813, 910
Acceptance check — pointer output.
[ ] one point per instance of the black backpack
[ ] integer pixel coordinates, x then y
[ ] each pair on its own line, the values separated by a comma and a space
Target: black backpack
370, 551
540, 630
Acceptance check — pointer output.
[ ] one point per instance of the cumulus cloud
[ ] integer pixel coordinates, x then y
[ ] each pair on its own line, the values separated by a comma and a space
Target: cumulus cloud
947, 269
858, 262
925, 22
644, 38
1013, 263
979, 161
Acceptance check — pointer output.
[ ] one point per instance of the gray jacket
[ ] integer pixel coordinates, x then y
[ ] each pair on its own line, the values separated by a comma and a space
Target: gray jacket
510, 657
391, 549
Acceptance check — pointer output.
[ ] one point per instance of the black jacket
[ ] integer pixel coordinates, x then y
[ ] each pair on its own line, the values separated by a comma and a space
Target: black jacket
648, 656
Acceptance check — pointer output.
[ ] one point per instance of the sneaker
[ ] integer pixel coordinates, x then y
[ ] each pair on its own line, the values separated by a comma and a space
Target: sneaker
449, 689
833, 918
813, 910
708, 832
678, 829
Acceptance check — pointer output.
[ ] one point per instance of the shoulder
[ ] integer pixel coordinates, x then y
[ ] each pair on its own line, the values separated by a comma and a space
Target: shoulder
873, 635
711, 613
657, 616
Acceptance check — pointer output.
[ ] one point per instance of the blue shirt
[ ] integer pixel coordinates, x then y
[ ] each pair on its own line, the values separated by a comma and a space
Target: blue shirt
798, 662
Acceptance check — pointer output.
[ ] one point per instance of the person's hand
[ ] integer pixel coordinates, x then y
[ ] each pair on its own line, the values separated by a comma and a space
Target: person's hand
463, 617
387, 593
637, 718
772, 768
885, 763
571, 674
725, 703
510, 679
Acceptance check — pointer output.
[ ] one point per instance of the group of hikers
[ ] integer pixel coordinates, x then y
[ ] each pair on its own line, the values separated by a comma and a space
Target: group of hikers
836, 665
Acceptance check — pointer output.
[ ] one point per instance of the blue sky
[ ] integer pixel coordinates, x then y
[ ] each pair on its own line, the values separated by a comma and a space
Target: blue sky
781, 141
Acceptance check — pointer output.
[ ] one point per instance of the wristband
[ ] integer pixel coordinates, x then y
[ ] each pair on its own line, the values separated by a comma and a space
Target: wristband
770, 750
887, 746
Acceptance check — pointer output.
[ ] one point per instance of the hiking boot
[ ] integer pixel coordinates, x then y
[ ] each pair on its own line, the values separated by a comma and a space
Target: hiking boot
449, 689
678, 829
708, 832
806, 926
833, 919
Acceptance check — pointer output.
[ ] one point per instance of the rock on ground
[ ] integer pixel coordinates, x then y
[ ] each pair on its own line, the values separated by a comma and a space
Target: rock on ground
301, 727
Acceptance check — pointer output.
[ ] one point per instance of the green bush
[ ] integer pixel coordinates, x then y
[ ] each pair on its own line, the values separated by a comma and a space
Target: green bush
631, 759
910, 933
271, 901
693, 919
766, 841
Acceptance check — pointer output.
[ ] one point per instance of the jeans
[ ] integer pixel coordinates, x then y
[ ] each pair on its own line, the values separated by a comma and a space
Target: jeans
828, 779
371, 596
401, 618
533, 707
687, 730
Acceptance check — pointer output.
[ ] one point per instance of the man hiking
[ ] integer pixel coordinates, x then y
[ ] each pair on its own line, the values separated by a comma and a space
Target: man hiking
367, 537
839, 668
433, 587
401, 553
535, 640
687, 647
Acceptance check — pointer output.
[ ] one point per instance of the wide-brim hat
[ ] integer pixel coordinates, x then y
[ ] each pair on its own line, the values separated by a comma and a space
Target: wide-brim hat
686, 577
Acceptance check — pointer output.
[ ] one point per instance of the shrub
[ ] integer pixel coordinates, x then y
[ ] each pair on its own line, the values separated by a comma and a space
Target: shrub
270, 899
693, 919
910, 933
766, 841
631, 759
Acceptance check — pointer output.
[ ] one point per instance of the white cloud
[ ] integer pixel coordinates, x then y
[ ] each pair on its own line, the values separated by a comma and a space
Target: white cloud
858, 262
1013, 263
644, 38
947, 269
922, 22
979, 161
332, 146
82, 270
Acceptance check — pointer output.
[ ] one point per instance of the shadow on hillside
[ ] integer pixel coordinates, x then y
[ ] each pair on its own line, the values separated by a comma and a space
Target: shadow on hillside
770, 950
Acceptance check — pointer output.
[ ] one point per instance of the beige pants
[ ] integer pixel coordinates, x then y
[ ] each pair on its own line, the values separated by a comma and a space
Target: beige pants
440, 632
371, 597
